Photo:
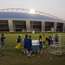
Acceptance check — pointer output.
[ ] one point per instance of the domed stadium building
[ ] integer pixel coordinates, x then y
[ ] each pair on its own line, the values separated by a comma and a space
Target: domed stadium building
23, 20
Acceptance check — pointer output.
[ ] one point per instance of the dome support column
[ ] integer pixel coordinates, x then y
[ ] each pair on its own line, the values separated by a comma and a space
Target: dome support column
55, 26
11, 28
42, 26
28, 26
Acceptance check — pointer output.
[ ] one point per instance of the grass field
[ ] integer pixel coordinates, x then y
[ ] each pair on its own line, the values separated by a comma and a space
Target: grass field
11, 56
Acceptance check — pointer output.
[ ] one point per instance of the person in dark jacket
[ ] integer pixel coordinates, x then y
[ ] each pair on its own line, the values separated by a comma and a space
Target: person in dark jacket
26, 41
30, 43
50, 41
40, 43
2, 40
19, 39
29, 46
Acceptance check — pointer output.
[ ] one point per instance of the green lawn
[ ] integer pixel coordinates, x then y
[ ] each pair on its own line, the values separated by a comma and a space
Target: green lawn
11, 37
11, 56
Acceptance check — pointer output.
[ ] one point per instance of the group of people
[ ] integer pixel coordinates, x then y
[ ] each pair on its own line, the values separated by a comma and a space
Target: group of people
52, 40
27, 43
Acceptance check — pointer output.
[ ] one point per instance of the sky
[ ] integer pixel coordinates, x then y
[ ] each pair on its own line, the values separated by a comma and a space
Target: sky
54, 7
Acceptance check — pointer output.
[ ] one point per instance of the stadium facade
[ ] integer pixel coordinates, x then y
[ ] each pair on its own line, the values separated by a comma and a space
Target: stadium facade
13, 20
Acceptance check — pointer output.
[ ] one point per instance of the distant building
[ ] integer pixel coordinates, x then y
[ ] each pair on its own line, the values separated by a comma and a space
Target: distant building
13, 20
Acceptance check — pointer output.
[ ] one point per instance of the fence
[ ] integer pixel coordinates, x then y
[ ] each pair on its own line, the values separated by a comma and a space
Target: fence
58, 48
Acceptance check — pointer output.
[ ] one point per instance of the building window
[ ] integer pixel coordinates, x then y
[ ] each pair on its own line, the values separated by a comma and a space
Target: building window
49, 26
20, 25
36, 26
59, 27
4, 25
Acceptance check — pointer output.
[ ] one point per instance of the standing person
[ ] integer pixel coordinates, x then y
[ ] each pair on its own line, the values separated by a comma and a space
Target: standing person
50, 40
2, 40
29, 46
26, 44
19, 39
18, 42
40, 44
